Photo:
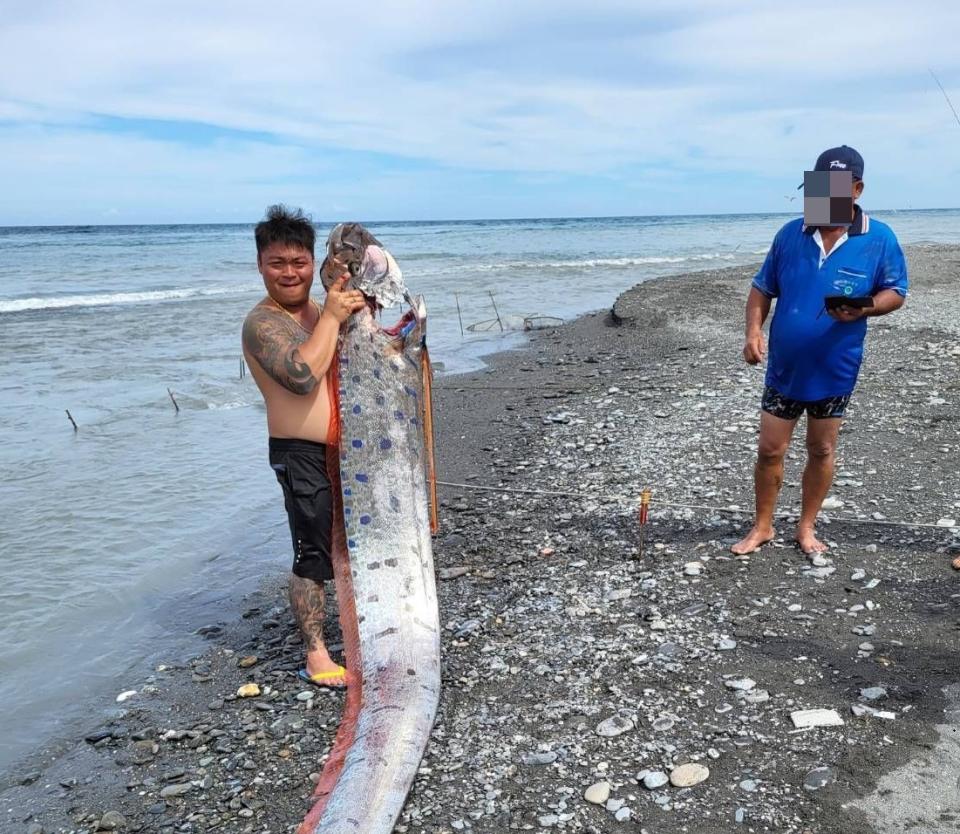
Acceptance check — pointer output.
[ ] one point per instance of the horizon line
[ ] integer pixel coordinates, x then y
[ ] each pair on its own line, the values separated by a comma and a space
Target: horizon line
455, 220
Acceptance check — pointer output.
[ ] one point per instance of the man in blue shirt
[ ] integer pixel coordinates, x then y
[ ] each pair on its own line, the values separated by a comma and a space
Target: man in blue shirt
816, 343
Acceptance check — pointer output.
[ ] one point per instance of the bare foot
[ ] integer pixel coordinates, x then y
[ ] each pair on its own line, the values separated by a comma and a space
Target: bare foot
320, 663
807, 539
754, 540
336, 679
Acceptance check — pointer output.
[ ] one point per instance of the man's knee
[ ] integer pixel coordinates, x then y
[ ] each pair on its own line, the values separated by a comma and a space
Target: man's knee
821, 450
771, 452
308, 580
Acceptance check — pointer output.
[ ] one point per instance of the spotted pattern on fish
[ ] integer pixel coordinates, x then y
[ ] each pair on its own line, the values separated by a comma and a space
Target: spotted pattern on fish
390, 620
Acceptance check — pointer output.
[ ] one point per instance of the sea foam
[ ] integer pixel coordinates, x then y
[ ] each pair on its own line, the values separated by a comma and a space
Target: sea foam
57, 302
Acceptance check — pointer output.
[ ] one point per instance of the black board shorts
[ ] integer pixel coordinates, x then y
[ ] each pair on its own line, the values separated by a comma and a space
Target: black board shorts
301, 469
786, 408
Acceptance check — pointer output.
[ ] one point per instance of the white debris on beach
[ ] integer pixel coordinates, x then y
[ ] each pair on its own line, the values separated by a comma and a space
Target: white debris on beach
807, 718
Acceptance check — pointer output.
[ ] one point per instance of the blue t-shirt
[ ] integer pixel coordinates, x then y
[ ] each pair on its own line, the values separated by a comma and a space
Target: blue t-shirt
812, 355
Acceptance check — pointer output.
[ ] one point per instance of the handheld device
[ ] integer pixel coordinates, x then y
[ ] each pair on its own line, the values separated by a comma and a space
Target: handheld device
832, 302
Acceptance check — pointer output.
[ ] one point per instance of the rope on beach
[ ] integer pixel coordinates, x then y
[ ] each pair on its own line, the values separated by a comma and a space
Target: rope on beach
560, 387
626, 389
634, 501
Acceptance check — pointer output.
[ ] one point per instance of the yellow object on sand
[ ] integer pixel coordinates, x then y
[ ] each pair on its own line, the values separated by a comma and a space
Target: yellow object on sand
336, 679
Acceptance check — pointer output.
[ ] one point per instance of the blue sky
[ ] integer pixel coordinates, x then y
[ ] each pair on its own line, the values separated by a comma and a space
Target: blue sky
186, 112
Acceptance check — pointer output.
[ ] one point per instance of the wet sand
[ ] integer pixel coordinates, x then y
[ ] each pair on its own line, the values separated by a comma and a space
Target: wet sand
555, 622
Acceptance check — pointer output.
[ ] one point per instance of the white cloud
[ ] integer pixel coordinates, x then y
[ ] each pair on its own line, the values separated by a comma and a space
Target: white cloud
853, 48
576, 89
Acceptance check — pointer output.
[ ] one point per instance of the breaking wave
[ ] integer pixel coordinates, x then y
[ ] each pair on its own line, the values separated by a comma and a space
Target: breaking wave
617, 263
57, 302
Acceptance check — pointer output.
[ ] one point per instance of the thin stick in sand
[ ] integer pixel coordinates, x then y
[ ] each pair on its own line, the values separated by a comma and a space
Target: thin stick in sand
495, 310
644, 511
459, 316
428, 439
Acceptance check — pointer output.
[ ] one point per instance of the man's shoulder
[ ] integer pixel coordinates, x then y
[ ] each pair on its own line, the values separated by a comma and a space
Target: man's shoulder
791, 230
265, 322
259, 310
880, 229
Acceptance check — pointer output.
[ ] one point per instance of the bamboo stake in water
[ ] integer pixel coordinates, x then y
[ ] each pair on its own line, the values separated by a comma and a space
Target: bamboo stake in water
177, 407
459, 317
426, 371
495, 310
70, 418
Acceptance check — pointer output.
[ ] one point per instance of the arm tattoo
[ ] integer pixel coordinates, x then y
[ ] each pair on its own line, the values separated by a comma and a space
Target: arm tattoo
274, 341
306, 600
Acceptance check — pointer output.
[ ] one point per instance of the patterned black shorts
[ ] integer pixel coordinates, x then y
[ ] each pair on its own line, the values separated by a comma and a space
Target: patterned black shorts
786, 408
301, 468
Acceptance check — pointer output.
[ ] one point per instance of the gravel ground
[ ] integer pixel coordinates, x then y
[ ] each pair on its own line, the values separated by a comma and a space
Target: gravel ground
597, 679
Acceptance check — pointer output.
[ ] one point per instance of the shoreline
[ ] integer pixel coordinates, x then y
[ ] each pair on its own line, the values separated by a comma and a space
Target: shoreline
607, 409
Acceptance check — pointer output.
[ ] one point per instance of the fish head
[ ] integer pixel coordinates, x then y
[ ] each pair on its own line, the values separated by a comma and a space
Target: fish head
346, 244
352, 249
379, 277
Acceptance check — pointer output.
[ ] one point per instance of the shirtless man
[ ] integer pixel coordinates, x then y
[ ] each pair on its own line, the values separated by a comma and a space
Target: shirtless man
289, 343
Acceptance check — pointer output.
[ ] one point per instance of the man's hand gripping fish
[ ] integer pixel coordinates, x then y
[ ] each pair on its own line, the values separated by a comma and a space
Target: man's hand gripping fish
382, 557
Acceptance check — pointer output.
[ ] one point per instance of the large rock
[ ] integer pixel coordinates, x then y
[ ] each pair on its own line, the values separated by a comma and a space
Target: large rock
818, 778
614, 726
598, 793
178, 789
655, 779
873, 693
687, 775
111, 821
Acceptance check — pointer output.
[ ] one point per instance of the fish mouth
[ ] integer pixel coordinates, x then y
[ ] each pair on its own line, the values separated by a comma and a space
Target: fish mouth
375, 309
410, 331
406, 323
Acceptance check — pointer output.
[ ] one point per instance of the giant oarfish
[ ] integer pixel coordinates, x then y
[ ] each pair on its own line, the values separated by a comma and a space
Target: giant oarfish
383, 561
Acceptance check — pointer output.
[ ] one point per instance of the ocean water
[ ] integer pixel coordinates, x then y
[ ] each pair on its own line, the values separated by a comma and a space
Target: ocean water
119, 540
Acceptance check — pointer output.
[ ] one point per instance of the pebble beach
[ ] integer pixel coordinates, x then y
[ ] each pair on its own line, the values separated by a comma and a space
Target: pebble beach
600, 677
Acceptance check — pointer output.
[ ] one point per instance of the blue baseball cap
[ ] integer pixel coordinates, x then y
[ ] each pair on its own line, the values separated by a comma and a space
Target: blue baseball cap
843, 158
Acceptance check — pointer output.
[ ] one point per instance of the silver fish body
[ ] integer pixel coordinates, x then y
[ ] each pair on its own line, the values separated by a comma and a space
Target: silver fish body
388, 602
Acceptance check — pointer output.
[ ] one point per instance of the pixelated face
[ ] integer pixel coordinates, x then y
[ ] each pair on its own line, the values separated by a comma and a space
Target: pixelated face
828, 197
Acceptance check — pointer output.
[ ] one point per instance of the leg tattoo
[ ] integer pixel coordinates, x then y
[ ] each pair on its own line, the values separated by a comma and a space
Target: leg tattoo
306, 600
